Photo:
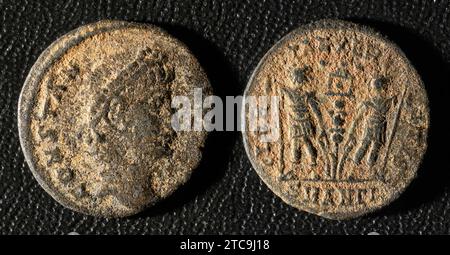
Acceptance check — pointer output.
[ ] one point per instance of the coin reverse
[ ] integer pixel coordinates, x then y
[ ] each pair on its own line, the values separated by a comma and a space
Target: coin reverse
353, 120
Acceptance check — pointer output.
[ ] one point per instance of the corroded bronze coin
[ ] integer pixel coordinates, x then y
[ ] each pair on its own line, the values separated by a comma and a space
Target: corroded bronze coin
95, 118
353, 120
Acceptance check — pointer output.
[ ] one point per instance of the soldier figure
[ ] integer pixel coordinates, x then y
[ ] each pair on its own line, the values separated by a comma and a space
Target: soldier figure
375, 110
301, 127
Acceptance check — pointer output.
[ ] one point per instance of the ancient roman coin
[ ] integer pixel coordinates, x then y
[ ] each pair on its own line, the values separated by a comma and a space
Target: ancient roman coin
95, 118
351, 123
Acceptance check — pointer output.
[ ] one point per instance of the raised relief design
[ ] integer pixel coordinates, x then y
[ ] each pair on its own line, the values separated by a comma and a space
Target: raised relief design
346, 111
304, 122
95, 118
127, 110
338, 141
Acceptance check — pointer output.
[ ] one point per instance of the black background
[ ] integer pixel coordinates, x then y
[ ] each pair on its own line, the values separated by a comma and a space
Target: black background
225, 194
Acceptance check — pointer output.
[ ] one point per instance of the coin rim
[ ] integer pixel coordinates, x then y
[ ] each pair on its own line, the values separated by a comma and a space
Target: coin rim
30, 88
395, 191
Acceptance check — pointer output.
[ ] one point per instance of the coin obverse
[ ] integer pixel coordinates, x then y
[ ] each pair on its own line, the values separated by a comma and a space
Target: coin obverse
353, 120
95, 118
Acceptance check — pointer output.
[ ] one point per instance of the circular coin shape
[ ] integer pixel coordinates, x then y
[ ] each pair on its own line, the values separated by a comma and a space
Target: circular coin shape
95, 118
336, 120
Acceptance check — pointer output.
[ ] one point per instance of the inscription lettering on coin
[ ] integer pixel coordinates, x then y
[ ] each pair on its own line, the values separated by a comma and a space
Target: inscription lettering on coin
353, 120
94, 118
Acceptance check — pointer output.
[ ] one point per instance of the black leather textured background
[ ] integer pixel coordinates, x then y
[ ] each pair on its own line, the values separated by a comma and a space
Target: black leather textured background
225, 195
